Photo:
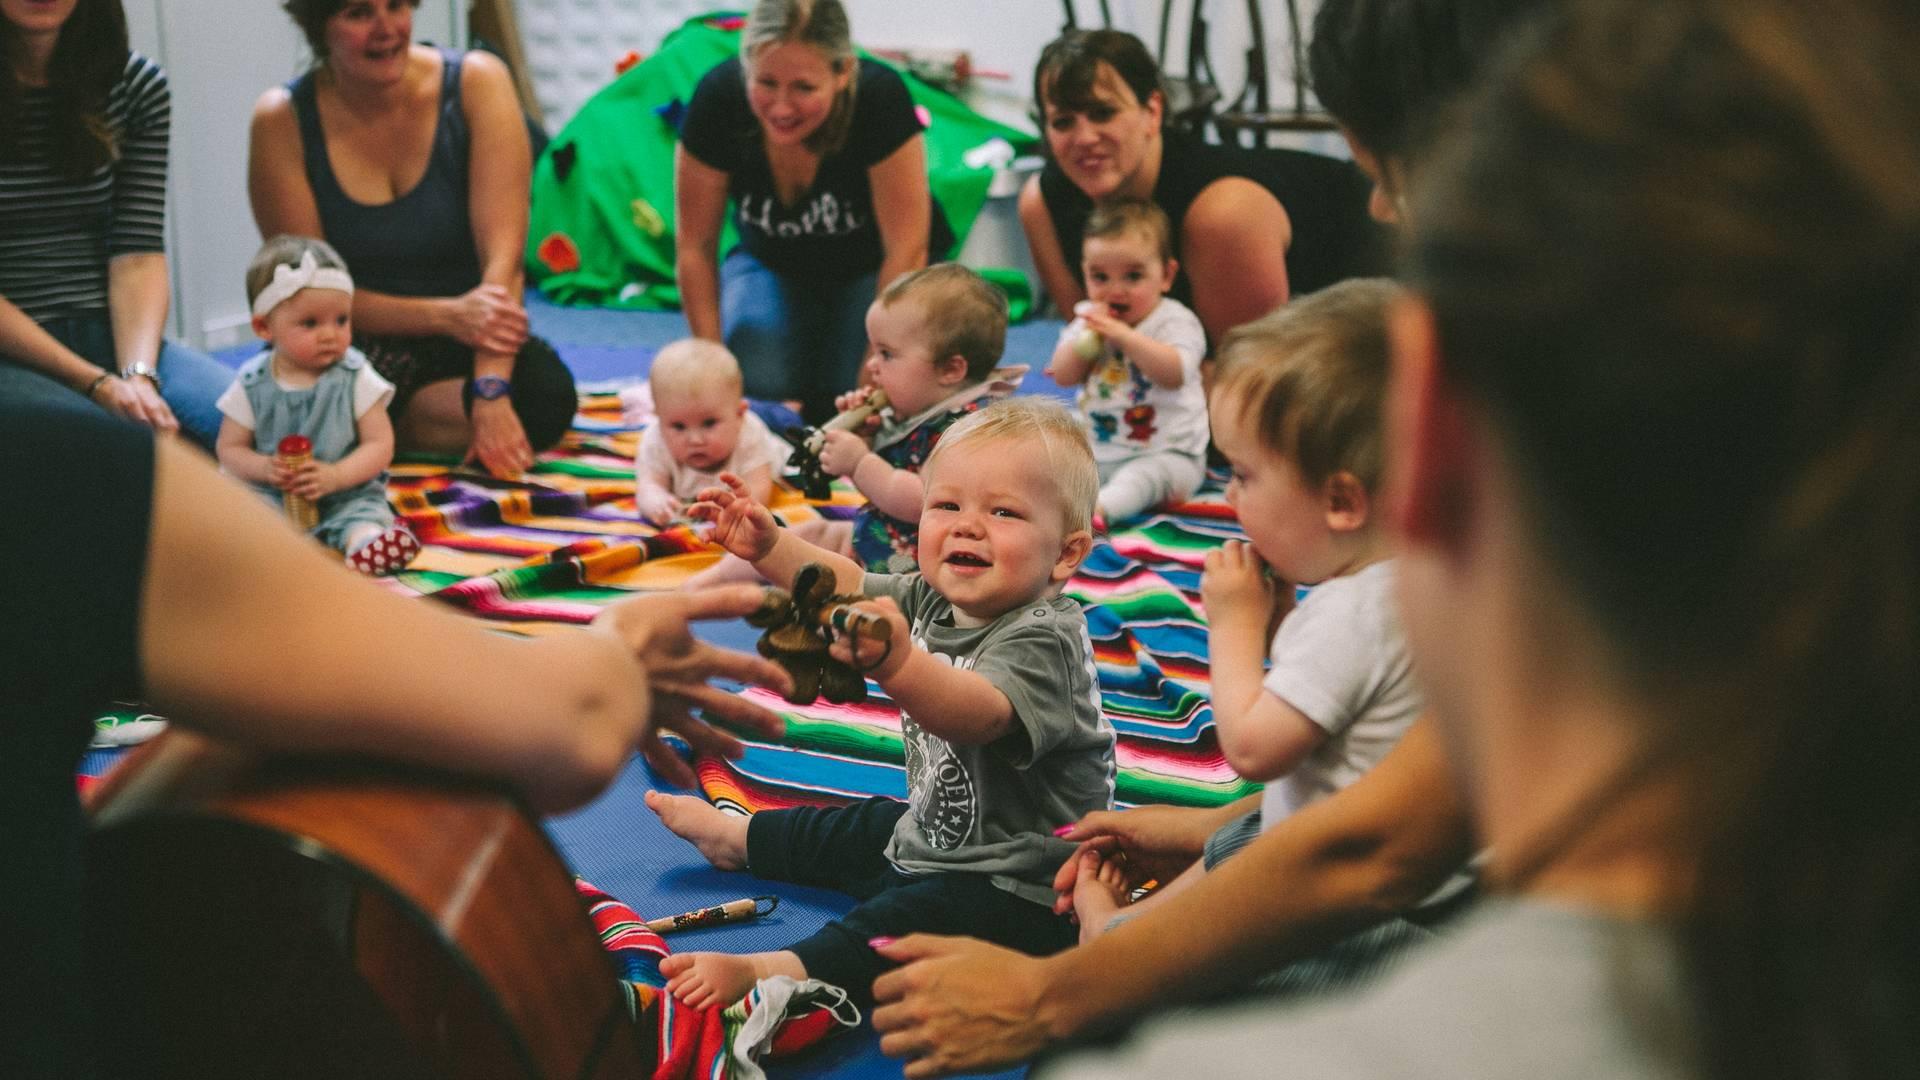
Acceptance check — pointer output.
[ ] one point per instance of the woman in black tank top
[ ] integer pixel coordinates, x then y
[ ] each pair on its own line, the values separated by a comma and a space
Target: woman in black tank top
1250, 227
414, 162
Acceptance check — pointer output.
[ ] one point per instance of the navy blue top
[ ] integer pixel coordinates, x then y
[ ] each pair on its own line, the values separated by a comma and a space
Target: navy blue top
420, 244
829, 232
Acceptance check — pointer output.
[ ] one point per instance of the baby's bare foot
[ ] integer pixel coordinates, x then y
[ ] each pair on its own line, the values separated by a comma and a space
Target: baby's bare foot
704, 978
1099, 890
720, 836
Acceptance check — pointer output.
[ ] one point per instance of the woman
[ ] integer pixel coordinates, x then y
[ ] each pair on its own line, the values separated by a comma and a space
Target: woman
413, 163
1250, 227
821, 154
83, 182
160, 596
1654, 479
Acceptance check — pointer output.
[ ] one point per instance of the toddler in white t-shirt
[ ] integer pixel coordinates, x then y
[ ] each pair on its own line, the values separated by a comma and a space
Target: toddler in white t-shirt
1296, 410
1135, 354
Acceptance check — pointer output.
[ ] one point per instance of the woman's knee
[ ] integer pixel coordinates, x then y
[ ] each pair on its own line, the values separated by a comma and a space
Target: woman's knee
193, 383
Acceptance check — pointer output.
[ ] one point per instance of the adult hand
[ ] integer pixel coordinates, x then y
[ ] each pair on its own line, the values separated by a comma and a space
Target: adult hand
656, 627
135, 399
740, 525
960, 1005
499, 441
488, 318
1158, 842
1235, 584
841, 452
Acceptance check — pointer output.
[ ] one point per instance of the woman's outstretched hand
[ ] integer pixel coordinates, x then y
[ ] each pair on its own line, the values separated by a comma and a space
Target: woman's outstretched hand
658, 629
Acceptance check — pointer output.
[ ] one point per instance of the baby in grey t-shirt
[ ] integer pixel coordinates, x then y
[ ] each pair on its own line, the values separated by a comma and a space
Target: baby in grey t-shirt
1000, 715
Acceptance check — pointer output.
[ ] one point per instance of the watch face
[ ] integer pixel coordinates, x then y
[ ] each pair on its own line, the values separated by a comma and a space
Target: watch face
491, 387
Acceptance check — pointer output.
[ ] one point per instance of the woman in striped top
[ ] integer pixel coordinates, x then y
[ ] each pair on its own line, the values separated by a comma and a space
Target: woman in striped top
83, 176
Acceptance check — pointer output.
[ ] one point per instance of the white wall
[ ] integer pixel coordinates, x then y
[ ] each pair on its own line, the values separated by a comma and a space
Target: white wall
219, 56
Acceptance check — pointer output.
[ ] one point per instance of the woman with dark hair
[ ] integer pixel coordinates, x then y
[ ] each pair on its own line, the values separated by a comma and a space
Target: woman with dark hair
1250, 227
821, 155
413, 162
83, 188
1655, 483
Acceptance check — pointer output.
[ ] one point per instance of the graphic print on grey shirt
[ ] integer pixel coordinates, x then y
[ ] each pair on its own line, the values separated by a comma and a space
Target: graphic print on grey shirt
992, 809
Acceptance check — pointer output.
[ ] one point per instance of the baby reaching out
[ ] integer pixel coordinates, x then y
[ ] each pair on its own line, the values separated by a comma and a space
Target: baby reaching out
702, 427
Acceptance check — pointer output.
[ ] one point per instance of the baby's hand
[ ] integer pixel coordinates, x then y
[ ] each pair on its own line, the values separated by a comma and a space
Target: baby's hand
841, 451
878, 657
314, 480
852, 399
657, 505
1235, 585
1102, 321
283, 477
740, 525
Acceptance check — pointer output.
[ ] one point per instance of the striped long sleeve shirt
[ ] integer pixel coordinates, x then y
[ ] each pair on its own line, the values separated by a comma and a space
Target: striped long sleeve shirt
56, 234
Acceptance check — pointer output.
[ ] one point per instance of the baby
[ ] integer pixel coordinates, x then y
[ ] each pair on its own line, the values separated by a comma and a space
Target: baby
310, 381
1296, 406
702, 427
1135, 354
993, 671
934, 336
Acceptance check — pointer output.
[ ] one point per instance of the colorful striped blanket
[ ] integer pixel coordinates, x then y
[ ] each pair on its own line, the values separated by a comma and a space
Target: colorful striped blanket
553, 550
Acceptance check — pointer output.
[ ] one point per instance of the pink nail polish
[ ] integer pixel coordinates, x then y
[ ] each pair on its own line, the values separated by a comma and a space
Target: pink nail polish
1063, 830
880, 942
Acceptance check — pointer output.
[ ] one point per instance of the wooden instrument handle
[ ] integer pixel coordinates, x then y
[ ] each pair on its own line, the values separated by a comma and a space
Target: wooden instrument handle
849, 420
846, 619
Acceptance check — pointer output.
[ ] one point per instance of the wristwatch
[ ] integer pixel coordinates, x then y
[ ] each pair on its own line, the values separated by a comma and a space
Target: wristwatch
143, 370
491, 387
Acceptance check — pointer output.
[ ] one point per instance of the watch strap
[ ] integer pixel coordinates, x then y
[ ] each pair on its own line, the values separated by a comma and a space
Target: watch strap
490, 387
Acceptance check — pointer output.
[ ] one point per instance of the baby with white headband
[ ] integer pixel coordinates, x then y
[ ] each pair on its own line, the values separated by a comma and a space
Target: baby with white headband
312, 382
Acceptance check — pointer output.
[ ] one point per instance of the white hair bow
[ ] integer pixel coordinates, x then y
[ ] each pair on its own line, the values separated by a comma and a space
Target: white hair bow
288, 280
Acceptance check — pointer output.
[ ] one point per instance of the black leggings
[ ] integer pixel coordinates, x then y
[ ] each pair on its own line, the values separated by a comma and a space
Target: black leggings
543, 392
843, 848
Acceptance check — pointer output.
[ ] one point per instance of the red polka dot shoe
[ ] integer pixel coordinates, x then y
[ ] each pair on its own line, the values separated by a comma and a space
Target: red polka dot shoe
388, 553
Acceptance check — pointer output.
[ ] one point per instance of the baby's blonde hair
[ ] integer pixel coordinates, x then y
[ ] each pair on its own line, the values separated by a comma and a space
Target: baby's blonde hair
691, 365
1048, 423
1312, 379
964, 314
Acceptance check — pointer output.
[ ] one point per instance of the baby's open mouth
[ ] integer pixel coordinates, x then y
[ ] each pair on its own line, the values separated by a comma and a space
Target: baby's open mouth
966, 558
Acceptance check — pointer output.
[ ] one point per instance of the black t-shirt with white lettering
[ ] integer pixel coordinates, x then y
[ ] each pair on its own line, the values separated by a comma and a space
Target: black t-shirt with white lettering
830, 232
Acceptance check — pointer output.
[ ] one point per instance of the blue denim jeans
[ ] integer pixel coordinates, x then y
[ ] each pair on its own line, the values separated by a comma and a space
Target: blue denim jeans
795, 339
193, 380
